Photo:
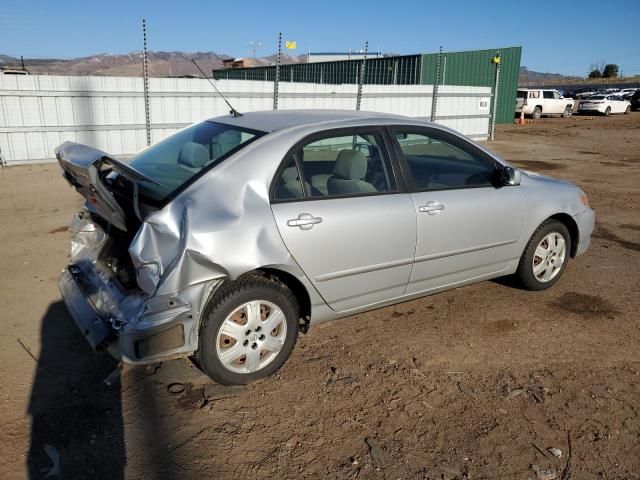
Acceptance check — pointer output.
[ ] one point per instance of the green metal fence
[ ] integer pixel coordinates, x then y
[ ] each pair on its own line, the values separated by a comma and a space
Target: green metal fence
471, 68
403, 70
475, 68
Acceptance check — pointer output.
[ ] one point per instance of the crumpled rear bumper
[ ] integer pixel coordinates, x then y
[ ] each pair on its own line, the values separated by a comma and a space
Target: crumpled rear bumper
131, 329
95, 329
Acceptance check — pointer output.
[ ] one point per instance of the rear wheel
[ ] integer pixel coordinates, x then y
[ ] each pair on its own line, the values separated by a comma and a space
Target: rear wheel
248, 331
545, 257
628, 110
607, 111
537, 113
567, 112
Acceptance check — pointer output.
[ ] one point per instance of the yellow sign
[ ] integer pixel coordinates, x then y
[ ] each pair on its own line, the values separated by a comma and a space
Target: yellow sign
290, 44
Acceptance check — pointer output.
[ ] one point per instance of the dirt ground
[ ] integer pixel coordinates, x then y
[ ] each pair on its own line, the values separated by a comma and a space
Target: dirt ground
473, 383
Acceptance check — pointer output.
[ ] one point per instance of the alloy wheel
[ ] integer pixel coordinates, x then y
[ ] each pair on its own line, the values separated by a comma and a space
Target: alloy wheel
549, 257
251, 337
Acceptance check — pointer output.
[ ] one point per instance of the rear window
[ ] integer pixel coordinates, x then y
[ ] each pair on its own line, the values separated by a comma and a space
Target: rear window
596, 97
522, 94
184, 155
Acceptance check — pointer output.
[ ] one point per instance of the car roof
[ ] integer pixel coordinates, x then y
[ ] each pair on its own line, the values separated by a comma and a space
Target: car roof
272, 120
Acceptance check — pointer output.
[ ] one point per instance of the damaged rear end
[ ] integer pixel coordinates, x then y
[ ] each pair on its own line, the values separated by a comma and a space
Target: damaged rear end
100, 286
158, 235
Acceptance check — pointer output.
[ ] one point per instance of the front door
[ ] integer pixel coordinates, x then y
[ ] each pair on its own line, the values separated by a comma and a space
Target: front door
344, 219
467, 229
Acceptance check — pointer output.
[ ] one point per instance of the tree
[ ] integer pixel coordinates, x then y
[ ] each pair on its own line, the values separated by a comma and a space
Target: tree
595, 74
610, 70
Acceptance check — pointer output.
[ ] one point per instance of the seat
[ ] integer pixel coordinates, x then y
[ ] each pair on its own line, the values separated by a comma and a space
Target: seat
290, 185
319, 182
225, 142
349, 170
193, 155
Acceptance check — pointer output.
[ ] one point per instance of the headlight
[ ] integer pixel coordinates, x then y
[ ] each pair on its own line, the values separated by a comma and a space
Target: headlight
583, 199
148, 276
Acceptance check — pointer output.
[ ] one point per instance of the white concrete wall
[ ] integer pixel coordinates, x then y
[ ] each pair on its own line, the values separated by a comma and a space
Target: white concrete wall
39, 112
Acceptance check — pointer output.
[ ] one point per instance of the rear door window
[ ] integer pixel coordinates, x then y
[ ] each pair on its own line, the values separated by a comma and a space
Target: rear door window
341, 165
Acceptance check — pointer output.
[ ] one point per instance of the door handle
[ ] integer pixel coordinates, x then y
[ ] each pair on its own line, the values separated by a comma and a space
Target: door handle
432, 207
305, 221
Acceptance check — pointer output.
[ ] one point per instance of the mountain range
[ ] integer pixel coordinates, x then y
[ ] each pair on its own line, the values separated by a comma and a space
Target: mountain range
177, 64
130, 64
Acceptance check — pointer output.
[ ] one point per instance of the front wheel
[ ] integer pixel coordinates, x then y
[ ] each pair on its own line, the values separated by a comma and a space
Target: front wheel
248, 330
545, 257
628, 110
567, 112
607, 111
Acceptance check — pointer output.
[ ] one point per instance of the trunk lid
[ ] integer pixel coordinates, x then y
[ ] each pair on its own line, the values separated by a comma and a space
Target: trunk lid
84, 168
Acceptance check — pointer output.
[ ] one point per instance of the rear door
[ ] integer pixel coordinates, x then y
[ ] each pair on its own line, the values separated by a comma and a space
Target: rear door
346, 218
618, 105
466, 227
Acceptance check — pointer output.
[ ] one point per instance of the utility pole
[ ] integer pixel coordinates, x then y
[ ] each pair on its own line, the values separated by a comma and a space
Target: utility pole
254, 46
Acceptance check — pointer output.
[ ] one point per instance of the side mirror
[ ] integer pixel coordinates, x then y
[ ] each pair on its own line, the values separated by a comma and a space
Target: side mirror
510, 176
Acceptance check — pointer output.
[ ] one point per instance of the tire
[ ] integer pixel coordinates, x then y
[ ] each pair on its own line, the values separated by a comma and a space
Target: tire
607, 111
628, 110
548, 275
537, 113
567, 112
222, 330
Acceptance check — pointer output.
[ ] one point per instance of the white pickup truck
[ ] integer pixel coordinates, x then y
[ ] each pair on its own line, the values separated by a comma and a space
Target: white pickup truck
538, 102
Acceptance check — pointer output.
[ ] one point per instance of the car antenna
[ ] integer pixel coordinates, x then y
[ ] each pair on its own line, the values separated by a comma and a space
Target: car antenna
233, 111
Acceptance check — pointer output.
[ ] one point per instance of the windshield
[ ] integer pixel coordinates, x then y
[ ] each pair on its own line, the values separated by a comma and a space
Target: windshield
182, 156
596, 97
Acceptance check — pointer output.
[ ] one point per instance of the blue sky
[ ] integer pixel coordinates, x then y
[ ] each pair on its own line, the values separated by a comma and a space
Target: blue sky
564, 37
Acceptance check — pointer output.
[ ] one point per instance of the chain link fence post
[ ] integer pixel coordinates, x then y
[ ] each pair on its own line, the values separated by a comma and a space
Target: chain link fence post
145, 74
361, 79
496, 88
276, 80
436, 83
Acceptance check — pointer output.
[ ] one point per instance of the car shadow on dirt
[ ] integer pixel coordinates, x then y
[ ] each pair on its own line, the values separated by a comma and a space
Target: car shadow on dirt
76, 428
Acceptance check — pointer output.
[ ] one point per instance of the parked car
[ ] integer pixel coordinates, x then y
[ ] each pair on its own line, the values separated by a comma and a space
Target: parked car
584, 93
626, 91
604, 104
537, 102
223, 240
635, 100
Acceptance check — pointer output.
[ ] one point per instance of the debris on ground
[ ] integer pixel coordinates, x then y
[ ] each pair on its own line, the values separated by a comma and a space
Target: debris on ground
113, 378
514, 393
176, 388
53, 453
556, 452
467, 390
376, 452
543, 473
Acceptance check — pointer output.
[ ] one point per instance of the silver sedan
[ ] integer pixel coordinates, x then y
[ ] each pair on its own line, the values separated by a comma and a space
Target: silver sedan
226, 239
